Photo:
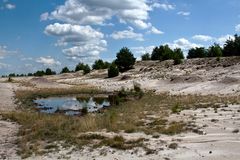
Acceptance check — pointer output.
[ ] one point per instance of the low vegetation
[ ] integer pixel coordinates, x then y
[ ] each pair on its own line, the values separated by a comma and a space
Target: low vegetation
146, 57
65, 70
113, 71
176, 108
100, 64
164, 52
84, 67
125, 59
148, 114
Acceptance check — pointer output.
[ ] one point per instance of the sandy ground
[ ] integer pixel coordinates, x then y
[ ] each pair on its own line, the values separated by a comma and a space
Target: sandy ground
8, 130
217, 140
197, 76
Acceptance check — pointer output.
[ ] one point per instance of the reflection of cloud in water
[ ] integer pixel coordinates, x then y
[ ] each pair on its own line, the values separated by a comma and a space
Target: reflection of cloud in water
71, 104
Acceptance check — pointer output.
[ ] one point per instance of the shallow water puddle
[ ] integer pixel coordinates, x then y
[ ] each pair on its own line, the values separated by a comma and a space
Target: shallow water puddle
71, 105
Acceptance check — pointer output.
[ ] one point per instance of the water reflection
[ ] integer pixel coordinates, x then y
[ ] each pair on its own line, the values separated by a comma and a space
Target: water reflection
71, 105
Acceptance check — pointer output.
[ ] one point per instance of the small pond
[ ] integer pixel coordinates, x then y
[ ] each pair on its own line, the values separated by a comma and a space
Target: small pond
71, 105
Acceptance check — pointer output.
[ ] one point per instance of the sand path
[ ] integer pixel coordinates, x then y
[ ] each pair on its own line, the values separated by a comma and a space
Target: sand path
8, 130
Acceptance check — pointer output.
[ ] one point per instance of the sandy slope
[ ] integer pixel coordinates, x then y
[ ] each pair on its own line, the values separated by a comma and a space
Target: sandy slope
197, 76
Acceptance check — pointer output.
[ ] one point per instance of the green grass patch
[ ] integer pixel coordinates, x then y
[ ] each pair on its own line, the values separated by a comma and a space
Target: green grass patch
176, 108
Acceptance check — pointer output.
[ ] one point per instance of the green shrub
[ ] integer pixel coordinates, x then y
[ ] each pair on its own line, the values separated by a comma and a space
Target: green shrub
198, 52
99, 64
125, 60
177, 61
86, 69
146, 57
12, 75
83, 67
79, 67
39, 73
10, 79
215, 51
49, 72
232, 46
162, 53
176, 108
113, 71
137, 87
65, 70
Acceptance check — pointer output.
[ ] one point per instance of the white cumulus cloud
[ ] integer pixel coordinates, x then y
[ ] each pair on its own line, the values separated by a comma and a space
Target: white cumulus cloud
222, 40
48, 61
127, 34
94, 12
87, 50
154, 30
184, 44
237, 28
73, 33
204, 38
84, 40
139, 51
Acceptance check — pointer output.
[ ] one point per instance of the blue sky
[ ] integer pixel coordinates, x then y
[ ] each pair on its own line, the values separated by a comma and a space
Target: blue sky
36, 34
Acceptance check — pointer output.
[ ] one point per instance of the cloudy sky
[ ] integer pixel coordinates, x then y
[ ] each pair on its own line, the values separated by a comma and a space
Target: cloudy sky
36, 34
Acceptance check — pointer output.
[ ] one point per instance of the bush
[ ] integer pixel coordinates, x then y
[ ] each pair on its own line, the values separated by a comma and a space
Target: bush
29, 74
177, 61
113, 71
215, 51
49, 72
10, 79
199, 52
125, 60
65, 70
137, 87
99, 64
232, 47
12, 75
178, 53
138, 90
176, 108
86, 69
79, 67
39, 73
165, 53
146, 57
162, 53
177, 56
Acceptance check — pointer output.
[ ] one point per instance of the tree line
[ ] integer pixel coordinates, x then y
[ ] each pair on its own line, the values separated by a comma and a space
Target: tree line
125, 60
164, 52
